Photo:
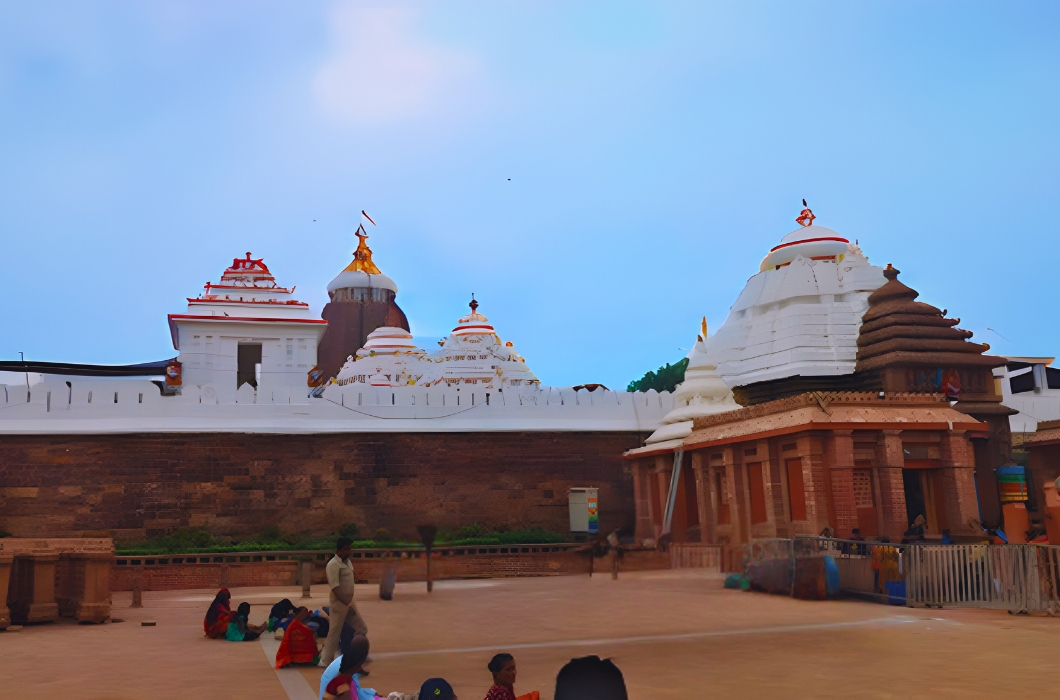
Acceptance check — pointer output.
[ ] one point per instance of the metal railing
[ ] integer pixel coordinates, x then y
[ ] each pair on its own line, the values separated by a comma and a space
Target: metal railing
972, 575
322, 556
695, 556
1018, 578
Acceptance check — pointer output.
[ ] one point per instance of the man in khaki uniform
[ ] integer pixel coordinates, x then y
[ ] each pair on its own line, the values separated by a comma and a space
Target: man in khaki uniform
343, 611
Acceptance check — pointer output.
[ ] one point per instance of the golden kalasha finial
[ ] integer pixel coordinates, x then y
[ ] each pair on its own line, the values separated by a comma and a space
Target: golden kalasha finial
703, 327
805, 217
362, 257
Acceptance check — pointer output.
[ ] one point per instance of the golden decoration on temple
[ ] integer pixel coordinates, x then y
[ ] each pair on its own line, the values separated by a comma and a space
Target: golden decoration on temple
362, 257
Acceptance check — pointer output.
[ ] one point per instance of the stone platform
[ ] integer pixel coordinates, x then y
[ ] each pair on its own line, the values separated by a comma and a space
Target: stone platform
43, 579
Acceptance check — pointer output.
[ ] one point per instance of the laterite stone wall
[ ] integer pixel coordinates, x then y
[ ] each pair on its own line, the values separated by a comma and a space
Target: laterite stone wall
141, 485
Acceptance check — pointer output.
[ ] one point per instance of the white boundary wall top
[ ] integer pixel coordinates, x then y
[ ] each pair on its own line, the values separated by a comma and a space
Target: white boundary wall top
76, 405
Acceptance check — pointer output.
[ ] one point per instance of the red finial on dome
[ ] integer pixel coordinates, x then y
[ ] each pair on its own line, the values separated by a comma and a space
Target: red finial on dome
473, 304
805, 217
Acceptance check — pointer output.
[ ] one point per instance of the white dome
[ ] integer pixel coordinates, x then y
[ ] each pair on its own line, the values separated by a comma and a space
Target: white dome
388, 340
806, 232
812, 242
355, 279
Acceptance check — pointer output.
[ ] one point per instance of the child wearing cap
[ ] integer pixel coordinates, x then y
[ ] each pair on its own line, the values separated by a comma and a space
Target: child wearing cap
436, 689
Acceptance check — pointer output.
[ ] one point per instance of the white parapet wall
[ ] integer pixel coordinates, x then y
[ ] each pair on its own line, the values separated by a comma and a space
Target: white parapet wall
83, 405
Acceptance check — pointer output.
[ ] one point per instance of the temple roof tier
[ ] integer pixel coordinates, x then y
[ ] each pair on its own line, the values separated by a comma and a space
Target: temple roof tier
898, 330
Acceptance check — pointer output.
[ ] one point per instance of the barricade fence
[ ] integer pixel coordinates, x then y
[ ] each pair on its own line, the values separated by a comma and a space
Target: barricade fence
696, 556
1018, 578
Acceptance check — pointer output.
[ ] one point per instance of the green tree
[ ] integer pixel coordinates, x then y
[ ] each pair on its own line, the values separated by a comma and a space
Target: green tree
666, 379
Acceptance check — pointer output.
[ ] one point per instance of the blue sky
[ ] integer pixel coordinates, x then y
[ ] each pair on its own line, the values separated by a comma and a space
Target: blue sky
656, 152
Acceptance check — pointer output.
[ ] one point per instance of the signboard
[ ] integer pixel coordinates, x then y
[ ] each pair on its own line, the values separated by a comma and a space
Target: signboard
584, 510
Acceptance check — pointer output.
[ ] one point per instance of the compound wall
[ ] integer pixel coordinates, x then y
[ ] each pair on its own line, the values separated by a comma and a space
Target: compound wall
142, 485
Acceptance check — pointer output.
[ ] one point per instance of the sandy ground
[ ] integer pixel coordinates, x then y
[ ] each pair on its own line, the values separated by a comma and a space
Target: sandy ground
673, 634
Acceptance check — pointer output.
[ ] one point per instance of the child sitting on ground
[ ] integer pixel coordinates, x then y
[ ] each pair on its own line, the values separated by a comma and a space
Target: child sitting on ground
341, 679
240, 629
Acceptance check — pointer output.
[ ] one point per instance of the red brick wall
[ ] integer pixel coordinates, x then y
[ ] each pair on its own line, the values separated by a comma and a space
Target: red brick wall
284, 573
237, 484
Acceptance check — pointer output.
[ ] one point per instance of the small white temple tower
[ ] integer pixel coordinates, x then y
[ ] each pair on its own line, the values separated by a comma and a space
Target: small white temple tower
247, 331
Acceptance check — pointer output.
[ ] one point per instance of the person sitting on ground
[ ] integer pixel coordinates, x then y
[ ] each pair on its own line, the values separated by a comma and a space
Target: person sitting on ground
218, 615
341, 679
502, 666
240, 629
590, 678
281, 614
299, 644
320, 623
436, 689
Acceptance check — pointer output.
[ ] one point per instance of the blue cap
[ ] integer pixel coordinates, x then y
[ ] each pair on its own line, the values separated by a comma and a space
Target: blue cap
436, 689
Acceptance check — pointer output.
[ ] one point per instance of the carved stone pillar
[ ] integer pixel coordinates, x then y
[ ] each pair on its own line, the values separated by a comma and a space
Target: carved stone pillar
5, 578
890, 460
958, 481
663, 471
642, 502
734, 485
842, 478
33, 584
704, 495
92, 574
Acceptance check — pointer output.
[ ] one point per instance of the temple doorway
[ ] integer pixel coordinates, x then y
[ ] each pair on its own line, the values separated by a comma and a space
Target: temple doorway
923, 497
248, 359
914, 496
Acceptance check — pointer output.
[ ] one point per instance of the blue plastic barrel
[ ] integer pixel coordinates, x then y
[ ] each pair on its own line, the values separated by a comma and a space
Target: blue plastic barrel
896, 592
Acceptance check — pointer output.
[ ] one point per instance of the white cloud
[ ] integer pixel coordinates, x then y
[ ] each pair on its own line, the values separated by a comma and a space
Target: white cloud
383, 70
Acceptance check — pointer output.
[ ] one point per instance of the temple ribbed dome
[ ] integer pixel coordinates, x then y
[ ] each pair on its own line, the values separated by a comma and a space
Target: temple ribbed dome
897, 329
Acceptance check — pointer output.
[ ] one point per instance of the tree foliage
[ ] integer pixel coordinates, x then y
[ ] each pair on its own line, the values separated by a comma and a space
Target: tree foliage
666, 379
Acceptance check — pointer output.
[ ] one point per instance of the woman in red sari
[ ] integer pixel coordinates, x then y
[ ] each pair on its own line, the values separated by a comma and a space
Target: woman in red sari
218, 615
299, 645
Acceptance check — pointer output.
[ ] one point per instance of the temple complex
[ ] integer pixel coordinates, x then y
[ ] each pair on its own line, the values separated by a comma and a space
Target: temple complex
270, 417
863, 409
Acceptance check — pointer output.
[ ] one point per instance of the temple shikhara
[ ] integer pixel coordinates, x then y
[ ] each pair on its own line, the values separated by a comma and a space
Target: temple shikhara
831, 400
854, 409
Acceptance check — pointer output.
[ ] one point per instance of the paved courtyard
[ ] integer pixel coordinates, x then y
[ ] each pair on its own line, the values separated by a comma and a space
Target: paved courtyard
674, 635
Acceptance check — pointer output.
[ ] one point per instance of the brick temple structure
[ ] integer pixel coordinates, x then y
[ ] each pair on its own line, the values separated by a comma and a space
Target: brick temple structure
799, 465
876, 430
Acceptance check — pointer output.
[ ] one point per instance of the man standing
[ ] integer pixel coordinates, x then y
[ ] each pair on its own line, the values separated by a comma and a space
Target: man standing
342, 609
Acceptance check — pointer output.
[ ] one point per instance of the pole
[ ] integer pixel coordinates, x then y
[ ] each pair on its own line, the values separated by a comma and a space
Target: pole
138, 587
307, 569
430, 578
26, 367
